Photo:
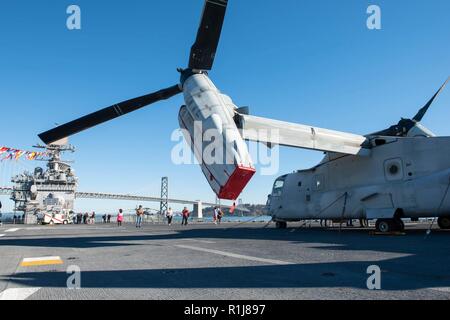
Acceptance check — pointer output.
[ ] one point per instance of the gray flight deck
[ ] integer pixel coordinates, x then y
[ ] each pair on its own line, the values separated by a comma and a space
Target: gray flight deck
204, 261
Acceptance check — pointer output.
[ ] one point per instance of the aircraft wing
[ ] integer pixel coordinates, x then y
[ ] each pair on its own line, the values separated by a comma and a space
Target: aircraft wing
274, 132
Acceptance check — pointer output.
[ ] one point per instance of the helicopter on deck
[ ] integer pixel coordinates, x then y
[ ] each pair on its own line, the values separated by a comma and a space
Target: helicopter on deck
404, 172
400, 172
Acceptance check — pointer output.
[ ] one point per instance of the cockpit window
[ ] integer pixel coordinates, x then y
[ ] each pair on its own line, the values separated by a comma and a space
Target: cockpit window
278, 187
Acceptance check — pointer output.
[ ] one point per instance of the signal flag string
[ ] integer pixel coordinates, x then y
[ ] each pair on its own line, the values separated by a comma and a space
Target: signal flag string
16, 154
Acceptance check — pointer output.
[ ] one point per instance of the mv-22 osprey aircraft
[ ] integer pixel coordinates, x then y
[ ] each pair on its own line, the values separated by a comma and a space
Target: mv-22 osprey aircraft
400, 172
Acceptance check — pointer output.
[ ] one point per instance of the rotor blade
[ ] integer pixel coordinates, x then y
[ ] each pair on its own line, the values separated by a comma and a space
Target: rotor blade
107, 114
204, 49
419, 116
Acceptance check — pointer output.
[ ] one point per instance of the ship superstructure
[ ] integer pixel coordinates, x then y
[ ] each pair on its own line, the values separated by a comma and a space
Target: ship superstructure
50, 192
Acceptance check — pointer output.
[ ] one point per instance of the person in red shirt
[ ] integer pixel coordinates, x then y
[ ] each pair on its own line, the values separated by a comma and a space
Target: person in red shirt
186, 215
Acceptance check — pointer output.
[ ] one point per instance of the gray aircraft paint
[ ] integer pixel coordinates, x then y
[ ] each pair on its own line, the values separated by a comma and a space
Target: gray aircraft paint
407, 174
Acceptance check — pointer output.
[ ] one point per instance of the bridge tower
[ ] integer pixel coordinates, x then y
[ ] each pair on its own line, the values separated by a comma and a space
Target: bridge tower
164, 204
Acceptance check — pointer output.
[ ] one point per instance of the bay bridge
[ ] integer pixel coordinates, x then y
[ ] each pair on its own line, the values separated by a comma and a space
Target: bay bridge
164, 200
35, 187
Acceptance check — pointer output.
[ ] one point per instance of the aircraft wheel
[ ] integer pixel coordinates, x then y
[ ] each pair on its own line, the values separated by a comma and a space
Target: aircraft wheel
399, 225
385, 225
66, 222
444, 223
281, 225
51, 222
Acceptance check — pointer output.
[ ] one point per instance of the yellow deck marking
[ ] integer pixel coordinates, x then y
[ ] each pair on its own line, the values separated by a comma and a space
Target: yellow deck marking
44, 261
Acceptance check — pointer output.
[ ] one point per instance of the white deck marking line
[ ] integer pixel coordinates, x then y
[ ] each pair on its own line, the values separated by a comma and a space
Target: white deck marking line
2, 235
198, 240
442, 289
237, 256
18, 293
42, 261
12, 230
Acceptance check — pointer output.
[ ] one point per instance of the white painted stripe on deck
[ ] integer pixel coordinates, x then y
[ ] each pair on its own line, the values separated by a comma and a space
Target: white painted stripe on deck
237, 256
198, 240
2, 235
18, 293
442, 289
12, 230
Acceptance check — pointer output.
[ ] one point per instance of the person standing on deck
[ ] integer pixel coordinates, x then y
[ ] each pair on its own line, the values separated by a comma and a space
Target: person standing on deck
186, 215
139, 216
169, 216
219, 216
120, 218
215, 214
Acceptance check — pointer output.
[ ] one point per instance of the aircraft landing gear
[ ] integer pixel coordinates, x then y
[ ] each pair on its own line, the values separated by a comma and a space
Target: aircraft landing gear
389, 225
384, 225
399, 224
281, 225
444, 223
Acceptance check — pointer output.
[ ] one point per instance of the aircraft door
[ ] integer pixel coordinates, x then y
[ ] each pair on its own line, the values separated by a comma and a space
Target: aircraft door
403, 194
276, 198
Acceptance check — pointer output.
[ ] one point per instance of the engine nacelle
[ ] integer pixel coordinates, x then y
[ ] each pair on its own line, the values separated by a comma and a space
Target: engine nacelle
209, 128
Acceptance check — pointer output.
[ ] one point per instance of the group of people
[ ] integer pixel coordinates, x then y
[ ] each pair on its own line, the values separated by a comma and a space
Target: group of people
106, 218
140, 213
18, 219
185, 216
85, 218
169, 215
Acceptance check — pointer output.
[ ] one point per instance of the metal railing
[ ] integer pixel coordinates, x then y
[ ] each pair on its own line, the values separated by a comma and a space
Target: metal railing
107, 196
5, 191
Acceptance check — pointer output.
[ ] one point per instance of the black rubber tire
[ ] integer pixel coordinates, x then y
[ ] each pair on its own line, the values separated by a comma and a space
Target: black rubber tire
399, 225
385, 225
444, 223
281, 225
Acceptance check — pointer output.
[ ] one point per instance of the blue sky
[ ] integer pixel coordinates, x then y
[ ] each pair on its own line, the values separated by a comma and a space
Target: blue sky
312, 62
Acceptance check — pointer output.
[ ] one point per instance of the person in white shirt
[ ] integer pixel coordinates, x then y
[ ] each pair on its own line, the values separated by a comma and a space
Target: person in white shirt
216, 214
169, 215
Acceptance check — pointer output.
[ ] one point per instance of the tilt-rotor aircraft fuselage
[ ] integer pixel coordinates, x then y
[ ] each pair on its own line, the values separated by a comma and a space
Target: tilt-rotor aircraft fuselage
405, 173
397, 173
